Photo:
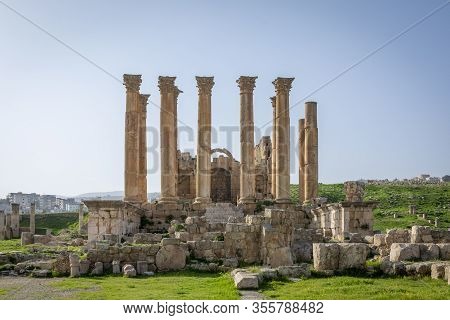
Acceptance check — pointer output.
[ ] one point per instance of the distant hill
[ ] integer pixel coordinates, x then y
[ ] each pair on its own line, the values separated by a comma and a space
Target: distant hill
111, 195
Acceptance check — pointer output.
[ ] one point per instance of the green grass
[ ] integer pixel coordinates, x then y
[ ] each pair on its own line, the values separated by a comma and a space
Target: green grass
10, 245
2, 292
434, 200
182, 285
354, 288
54, 221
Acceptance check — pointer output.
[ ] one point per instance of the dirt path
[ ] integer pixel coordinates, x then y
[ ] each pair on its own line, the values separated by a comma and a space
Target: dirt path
26, 288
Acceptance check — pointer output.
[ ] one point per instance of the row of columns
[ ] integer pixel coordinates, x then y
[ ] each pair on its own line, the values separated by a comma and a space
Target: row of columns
135, 140
10, 223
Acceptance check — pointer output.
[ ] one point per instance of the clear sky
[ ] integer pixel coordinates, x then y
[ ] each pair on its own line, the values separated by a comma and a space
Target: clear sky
62, 119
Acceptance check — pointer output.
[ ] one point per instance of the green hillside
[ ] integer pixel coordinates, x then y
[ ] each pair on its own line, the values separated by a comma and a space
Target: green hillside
54, 221
434, 200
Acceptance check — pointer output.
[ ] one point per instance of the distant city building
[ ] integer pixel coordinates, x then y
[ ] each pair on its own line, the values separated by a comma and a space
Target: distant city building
445, 178
47, 203
24, 200
5, 205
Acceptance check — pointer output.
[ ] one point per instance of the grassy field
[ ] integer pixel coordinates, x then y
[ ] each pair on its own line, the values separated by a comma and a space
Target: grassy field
434, 200
54, 221
355, 288
175, 285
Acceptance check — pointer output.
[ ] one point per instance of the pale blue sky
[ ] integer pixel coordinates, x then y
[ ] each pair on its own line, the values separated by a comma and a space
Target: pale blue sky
62, 120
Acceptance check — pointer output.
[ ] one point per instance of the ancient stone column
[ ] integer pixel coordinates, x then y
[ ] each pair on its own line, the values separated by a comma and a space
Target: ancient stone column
282, 88
142, 165
132, 83
247, 177
8, 233
203, 172
33, 218
15, 220
168, 141
311, 171
175, 118
301, 152
2, 225
80, 218
274, 147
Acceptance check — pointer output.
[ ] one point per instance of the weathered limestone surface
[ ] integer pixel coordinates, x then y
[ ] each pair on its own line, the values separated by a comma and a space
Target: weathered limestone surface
339, 256
26, 238
98, 269
311, 170
247, 140
129, 271
282, 88
438, 270
245, 280
203, 174
354, 191
302, 160
222, 212
404, 252
274, 148
132, 120
301, 270
142, 152
2, 225
15, 220
169, 165
33, 218
170, 257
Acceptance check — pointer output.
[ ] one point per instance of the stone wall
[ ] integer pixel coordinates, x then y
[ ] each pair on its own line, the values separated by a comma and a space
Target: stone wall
420, 234
340, 256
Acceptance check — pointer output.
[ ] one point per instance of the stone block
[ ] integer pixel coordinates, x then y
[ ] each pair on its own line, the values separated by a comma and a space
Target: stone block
444, 251
170, 257
280, 257
170, 241
429, 252
116, 267
268, 273
419, 268
298, 271
231, 263
353, 255
404, 252
142, 266
438, 270
447, 272
244, 280
41, 273
379, 239
26, 238
129, 271
84, 266
326, 256
98, 269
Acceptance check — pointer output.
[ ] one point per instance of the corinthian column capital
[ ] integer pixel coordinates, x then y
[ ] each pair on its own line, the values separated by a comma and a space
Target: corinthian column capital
283, 85
132, 82
144, 101
205, 84
166, 84
246, 84
177, 92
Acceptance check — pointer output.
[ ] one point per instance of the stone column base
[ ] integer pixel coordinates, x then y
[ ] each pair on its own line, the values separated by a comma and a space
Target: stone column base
201, 203
168, 200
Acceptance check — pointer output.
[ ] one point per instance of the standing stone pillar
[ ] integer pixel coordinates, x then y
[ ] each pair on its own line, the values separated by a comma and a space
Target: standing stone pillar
282, 88
301, 152
142, 158
8, 233
168, 141
132, 84
175, 119
311, 172
247, 176
15, 220
203, 172
80, 218
273, 163
33, 218
2, 225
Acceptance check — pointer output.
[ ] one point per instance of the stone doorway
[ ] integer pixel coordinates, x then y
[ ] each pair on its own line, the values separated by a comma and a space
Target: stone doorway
220, 185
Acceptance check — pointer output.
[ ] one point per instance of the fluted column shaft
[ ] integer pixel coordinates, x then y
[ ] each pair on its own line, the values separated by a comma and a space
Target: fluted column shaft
203, 173
282, 88
273, 163
168, 141
132, 120
142, 167
33, 218
247, 140
175, 119
311, 172
301, 153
